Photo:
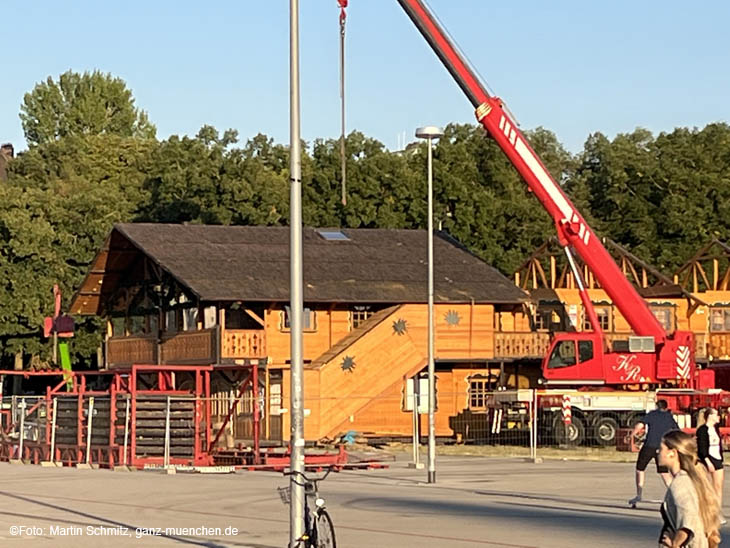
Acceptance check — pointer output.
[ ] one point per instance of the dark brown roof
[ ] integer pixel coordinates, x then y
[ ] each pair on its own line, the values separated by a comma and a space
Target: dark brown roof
251, 263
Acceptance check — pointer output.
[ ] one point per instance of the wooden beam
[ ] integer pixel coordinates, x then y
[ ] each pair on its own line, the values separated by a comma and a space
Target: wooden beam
552, 271
254, 316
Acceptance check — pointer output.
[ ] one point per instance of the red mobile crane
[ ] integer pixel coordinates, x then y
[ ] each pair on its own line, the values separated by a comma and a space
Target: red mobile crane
655, 357
655, 360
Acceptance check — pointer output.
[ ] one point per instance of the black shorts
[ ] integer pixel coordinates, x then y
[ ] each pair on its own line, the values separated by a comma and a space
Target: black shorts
716, 463
645, 455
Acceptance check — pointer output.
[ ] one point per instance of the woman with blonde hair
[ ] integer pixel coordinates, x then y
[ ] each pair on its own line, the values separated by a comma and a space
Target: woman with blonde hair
691, 510
709, 448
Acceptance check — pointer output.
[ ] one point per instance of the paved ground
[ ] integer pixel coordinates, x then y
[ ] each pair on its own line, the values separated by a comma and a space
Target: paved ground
476, 502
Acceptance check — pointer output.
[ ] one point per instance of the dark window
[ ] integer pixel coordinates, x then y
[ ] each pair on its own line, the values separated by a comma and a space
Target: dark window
359, 314
137, 325
563, 355
478, 389
238, 318
585, 351
548, 319
604, 318
720, 319
665, 316
118, 327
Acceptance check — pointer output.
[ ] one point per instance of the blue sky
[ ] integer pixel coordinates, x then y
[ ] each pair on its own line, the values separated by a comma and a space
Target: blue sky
574, 67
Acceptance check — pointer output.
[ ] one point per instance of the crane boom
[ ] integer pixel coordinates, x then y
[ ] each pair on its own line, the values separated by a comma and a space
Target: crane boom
572, 229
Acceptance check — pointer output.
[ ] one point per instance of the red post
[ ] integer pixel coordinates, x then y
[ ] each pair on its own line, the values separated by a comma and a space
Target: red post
80, 422
256, 421
133, 418
197, 443
48, 417
207, 408
112, 421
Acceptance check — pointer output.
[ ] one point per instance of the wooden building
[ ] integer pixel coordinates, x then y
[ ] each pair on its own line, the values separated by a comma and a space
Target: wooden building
194, 294
696, 297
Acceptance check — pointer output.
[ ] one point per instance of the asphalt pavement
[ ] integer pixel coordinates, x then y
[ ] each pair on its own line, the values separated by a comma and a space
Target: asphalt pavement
476, 501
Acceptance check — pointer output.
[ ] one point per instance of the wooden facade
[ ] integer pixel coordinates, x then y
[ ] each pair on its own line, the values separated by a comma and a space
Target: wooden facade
694, 298
360, 351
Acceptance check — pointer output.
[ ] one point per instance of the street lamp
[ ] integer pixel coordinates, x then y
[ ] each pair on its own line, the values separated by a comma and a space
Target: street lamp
430, 133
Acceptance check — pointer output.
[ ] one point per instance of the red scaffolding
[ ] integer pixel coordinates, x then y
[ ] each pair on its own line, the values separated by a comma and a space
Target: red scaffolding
141, 404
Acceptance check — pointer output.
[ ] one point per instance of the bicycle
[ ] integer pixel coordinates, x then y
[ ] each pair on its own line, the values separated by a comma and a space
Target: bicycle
319, 531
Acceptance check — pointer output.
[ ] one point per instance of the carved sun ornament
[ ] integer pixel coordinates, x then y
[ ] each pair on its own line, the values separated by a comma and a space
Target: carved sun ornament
452, 317
348, 364
400, 326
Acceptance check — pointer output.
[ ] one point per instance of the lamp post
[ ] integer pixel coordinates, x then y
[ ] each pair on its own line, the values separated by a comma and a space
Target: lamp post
296, 466
430, 133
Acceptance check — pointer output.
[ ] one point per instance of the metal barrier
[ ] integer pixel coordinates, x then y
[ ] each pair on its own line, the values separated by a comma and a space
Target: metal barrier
140, 417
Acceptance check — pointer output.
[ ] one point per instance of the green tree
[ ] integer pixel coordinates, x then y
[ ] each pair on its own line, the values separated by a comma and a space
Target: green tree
203, 180
81, 105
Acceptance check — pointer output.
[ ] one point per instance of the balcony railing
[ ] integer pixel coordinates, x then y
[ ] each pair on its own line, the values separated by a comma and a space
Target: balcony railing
527, 344
243, 343
186, 347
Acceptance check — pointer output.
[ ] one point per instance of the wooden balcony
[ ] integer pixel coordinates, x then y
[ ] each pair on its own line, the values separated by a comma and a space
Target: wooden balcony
243, 343
527, 344
188, 347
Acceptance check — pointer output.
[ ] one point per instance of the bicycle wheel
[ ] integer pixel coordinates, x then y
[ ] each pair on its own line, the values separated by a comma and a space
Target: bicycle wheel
325, 530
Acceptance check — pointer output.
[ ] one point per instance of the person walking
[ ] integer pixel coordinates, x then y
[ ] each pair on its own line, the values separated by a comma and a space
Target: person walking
709, 448
654, 424
690, 511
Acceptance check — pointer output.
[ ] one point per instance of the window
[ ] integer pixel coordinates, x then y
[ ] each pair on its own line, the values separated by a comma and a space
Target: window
665, 316
585, 351
137, 325
720, 319
154, 323
190, 319
478, 393
308, 320
118, 327
333, 235
359, 314
604, 318
171, 321
210, 317
563, 355
548, 319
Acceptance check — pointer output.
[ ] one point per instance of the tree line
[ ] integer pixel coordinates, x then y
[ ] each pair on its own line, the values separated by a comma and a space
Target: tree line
93, 160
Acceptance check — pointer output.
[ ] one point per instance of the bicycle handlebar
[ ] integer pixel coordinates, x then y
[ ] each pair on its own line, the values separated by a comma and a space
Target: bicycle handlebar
309, 479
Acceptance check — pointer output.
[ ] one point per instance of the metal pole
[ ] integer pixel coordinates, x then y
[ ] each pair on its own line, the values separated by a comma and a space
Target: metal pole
416, 437
126, 432
167, 434
343, 156
89, 426
21, 406
533, 426
53, 431
296, 304
431, 368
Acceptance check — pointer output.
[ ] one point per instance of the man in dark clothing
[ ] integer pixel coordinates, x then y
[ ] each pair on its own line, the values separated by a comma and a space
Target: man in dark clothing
655, 424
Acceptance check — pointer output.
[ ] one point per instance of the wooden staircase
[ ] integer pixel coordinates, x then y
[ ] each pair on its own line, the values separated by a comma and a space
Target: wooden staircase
360, 368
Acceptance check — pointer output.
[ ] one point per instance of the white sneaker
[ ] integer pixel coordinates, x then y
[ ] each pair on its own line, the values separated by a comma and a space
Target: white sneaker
723, 521
634, 500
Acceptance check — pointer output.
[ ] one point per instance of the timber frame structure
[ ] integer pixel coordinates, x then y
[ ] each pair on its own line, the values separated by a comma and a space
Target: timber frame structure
217, 296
